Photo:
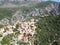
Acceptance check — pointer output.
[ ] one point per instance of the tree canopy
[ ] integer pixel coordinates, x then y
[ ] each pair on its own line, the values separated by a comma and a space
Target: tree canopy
48, 29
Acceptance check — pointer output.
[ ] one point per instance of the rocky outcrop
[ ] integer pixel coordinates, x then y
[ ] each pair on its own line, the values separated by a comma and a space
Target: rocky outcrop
4, 21
51, 9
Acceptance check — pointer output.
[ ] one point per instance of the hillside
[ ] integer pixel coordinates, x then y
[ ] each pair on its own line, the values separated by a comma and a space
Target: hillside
24, 12
34, 24
4, 12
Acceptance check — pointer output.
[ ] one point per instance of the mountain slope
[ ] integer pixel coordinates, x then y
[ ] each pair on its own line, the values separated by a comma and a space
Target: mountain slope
25, 12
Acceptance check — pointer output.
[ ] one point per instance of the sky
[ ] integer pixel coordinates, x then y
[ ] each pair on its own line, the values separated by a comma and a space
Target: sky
46, 0
55, 0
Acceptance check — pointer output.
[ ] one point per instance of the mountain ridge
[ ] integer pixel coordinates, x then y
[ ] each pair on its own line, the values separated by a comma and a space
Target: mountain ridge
25, 12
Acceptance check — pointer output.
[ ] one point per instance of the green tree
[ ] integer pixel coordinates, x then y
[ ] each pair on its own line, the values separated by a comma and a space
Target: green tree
1, 25
48, 30
7, 39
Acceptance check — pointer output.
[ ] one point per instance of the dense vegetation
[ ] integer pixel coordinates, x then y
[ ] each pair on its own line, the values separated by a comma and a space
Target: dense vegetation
7, 39
4, 12
48, 31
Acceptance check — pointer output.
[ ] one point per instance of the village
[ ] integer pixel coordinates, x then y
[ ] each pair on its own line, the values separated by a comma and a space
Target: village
25, 31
